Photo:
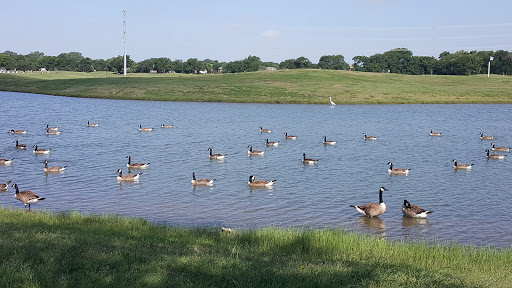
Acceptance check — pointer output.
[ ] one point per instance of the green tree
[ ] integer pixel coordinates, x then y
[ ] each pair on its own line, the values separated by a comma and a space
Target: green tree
336, 62
6, 61
117, 63
287, 64
251, 64
85, 65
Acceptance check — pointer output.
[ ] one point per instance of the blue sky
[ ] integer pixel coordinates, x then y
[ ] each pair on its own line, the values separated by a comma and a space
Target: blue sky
272, 30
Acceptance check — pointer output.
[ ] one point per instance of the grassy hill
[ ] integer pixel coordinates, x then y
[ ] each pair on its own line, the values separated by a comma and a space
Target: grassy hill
284, 86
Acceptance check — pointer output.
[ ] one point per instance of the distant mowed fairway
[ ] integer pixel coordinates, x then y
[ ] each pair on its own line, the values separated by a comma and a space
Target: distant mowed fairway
284, 86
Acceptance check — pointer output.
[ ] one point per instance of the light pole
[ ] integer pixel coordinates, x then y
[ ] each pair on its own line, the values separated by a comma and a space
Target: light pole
124, 39
489, 67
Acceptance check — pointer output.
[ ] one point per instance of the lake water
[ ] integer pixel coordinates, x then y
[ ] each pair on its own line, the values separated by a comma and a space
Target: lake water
471, 207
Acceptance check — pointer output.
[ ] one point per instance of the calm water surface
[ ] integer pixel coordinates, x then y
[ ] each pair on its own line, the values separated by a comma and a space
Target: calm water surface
471, 207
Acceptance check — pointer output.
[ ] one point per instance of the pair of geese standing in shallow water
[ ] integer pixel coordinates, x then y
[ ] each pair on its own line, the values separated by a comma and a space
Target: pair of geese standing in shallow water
374, 209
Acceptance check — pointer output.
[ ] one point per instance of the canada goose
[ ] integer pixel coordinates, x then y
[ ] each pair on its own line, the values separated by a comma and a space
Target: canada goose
40, 151
369, 137
5, 186
165, 126
216, 156
482, 137
52, 169
414, 211
330, 100
201, 182
328, 142
503, 149
432, 133
144, 129
20, 146
254, 152
52, 132
307, 160
373, 209
397, 171
264, 130
51, 128
136, 165
6, 161
461, 166
271, 143
18, 131
127, 177
286, 136
494, 156
260, 183
92, 124
27, 197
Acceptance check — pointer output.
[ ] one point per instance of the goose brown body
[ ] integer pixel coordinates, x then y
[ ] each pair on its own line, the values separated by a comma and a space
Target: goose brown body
482, 137
40, 151
18, 131
201, 181
165, 126
328, 142
264, 130
89, 124
291, 137
397, 171
372, 209
414, 211
493, 156
127, 177
136, 165
254, 152
267, 143
457, 166
53, 169
48, 128
144, 129
216, 156
4, 161
27, 197
259, 183
432, 133
308, 160
369, 137
20, 146
502, 149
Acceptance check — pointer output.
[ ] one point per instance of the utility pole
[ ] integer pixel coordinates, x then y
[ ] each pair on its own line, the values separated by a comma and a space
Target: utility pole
124, 38
489, 67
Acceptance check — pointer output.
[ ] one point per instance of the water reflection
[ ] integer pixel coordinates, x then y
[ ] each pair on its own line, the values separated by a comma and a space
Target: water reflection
410, 221
374, 224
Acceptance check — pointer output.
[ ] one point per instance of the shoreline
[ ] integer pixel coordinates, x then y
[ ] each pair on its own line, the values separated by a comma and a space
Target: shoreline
116, 251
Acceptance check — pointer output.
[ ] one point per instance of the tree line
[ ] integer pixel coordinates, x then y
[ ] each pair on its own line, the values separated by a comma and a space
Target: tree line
400, 60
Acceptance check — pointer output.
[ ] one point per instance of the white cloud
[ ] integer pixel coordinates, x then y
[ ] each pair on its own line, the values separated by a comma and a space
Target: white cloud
271, 34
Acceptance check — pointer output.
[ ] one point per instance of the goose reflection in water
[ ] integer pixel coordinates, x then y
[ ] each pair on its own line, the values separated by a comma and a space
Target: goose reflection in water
413, 227
373, 224
409, 221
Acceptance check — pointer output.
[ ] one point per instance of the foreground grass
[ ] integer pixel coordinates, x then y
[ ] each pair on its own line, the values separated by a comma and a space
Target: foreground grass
284, 86
41, 249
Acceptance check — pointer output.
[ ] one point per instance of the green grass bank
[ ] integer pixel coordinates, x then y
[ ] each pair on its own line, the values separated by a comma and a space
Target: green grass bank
283, 86
43, 249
